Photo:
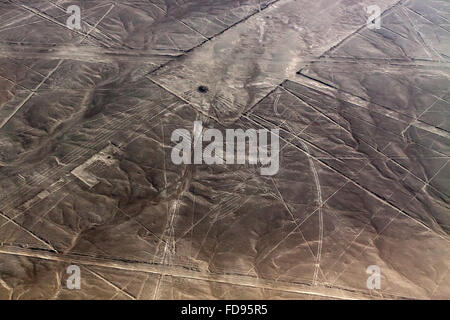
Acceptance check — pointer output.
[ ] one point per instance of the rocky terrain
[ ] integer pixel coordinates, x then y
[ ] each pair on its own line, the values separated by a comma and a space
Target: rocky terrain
86, 176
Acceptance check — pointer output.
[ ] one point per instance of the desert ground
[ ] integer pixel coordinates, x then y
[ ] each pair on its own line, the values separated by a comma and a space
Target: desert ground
86, 176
